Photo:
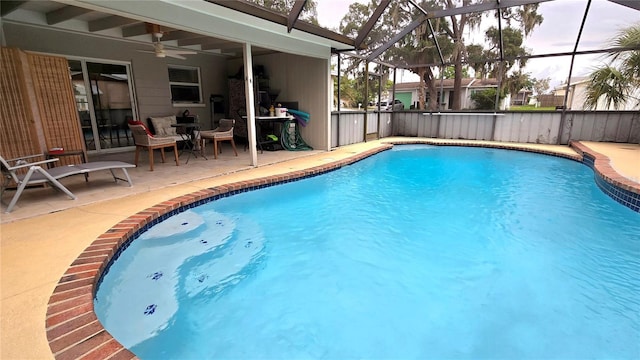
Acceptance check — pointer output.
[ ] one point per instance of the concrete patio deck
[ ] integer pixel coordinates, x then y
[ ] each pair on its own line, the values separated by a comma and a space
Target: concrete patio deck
47, 231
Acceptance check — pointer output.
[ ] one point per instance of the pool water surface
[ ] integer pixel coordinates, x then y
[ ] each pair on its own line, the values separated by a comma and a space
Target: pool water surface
417, 252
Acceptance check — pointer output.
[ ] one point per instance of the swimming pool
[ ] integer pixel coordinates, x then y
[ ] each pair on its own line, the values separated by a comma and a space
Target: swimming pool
416, 252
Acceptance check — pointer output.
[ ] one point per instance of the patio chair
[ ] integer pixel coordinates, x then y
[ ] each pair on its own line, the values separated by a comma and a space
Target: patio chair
144, 140
35, 175
224, 132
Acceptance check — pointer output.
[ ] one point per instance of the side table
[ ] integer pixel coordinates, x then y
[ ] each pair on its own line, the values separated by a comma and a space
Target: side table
52, 155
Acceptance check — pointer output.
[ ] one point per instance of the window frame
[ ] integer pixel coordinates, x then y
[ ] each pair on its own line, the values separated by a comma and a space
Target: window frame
179, 83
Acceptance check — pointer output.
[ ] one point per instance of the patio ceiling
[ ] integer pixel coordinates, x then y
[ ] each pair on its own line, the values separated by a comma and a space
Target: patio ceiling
131, 21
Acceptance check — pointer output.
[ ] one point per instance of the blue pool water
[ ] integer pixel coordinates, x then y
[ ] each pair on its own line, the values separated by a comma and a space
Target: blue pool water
418, 252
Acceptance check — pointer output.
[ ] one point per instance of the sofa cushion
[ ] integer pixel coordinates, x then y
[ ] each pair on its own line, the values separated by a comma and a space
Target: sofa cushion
162, 125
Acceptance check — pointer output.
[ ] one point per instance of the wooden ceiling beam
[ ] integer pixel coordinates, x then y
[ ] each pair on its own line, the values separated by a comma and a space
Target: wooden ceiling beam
227, 45
135, 30
180, 35
9, 6
110, 22
201, 40
65, 13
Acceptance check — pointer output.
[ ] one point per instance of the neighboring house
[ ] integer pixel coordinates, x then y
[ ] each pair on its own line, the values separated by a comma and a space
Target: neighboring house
118, 43
578, 91
408, 92
522, 97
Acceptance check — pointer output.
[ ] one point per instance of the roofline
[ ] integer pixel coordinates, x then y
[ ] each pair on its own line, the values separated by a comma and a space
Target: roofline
275, 17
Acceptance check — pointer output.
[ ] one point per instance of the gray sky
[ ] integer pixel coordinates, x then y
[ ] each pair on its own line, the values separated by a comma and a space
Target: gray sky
557, 33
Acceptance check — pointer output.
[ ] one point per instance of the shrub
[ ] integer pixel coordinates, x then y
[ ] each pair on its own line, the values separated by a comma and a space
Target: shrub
485, 99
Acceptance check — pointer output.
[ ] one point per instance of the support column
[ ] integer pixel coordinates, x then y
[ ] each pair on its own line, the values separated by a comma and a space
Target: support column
250, 105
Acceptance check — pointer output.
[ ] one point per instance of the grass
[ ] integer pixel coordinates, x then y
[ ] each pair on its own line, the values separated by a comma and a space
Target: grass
532, 108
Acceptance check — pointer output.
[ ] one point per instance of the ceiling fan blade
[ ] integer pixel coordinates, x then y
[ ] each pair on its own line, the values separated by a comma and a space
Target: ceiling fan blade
177, 56
181, 52
147, 51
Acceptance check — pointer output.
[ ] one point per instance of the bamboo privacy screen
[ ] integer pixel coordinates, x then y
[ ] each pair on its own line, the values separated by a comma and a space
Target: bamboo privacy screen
38, 107
16, 114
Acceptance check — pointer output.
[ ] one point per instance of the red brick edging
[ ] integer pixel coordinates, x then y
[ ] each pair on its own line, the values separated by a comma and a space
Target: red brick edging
603, 168
73, 329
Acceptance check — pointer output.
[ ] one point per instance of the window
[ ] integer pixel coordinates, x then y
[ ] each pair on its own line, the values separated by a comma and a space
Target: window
185, 85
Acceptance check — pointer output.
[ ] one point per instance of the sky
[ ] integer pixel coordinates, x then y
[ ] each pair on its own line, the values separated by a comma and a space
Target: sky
557, 33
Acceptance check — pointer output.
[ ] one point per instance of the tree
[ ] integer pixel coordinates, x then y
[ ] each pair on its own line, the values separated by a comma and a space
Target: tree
348, 91
540, 86
458, 25
517, 81
309, 13
511, 48
616, 82
415, 48
350, 25
525, 16
478, 57
418, 47
450, 72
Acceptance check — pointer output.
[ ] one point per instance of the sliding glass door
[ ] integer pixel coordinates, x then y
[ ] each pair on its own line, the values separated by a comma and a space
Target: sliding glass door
105, 101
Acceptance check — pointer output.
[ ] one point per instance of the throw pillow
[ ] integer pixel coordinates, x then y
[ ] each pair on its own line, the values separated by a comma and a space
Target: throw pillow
138, 122
162, 125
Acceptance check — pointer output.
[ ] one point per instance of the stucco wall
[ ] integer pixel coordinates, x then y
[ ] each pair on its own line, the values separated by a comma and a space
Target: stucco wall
302, 79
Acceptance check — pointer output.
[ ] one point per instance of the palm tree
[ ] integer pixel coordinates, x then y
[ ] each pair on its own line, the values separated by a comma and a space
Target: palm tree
617, 81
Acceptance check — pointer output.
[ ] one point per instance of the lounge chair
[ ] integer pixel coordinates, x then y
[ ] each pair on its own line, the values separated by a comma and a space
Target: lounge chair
37, 175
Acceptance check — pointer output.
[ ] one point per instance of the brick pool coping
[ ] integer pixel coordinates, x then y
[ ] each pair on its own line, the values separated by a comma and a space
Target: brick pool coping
72, 327
604, 169
618, 187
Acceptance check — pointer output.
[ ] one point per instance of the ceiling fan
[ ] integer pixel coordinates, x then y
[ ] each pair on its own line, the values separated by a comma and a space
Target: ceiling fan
161, 52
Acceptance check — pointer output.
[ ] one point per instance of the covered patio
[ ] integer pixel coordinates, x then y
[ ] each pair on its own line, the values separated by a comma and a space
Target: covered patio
100, 186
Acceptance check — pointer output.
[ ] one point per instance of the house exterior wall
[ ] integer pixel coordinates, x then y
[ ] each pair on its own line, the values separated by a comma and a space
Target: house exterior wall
150, 74
466, 102
578, 95
302, 79
406, 98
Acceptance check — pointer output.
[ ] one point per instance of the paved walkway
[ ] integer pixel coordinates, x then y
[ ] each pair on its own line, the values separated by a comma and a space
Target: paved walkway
36, 250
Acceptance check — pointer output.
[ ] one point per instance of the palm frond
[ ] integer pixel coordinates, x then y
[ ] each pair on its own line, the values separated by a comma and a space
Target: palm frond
626, 38
630, 67
606, 83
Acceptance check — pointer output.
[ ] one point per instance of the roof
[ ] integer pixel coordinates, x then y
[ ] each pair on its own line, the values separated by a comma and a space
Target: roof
210, 27
574, 81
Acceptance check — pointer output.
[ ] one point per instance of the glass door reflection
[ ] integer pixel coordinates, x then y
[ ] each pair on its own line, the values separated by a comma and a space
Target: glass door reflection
104, 103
